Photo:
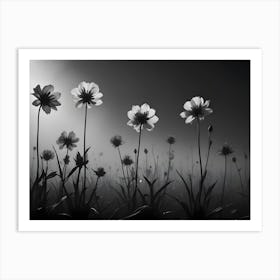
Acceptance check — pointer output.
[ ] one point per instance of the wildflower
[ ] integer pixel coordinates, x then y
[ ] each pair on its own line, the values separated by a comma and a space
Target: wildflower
226, 150
143, 116
197, 108
47, 155
66, 160
46, 98
171, 140
100, 172
67, 141
79, 160
87, 93
127, 161
210, 128
116, 141
145, 151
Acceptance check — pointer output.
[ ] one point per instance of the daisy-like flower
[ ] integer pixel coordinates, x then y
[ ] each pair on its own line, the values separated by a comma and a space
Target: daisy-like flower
67, 141
46, 98
87, 93
127, 160
226, 150
47, 155
196, 109
100, 172
143, 116
171, 140
116, 141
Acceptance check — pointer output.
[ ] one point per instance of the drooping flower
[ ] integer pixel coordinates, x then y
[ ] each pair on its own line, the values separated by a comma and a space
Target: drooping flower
47, 155
116, 141
100, 172
143, 116
67, 141
46, 98
66, 160
87, 93
196, 108
226, 150
171, 140
127, 160
79, 160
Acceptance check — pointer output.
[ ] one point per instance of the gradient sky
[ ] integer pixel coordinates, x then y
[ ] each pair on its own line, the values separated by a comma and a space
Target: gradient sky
165, 86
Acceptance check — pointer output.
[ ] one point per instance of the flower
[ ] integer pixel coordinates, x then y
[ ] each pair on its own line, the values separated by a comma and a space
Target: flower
210, 128
226, 150
100, 172
87, 93
79, 160
143, 116
127, 161
145, 151
46, 98
66, 160
116, 141
171, 140
67, 141
234, 159
135, 151
47, 155
197, 108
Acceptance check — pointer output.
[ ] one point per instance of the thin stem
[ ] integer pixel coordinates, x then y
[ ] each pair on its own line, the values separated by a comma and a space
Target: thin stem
85, 168
93, 191
208, 154
199, 150
224, 183
169, 163
240, 178
38, 127
137, 162
122, 165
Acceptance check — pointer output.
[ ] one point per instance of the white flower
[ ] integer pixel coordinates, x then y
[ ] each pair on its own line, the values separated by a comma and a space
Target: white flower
87, 93
143, 116
197, 108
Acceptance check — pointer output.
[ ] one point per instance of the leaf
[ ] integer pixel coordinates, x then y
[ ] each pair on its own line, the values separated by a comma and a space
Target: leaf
60, 170
51, 175
182, 203
72, 171
185, 183
161, 189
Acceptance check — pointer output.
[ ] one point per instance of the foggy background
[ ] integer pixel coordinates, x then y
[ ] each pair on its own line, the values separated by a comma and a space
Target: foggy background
165, 86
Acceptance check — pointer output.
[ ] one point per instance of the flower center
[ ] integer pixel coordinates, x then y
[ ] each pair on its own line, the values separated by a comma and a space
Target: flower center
141, 118
86, 96
45, 99
197, 111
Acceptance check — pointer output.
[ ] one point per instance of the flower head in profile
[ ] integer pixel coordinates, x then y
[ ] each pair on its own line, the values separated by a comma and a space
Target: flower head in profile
196, 109
226, 150
47, 155
171, 140
127, 161
79, 160
116, 141
66, 160
143, 116
46, 98
67, 141
87, 93
100, 172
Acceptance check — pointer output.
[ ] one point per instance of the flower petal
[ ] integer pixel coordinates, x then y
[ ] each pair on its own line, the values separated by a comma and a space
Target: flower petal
48, 89
75, 92
196, 101
38, 90
207, 111
190, 119
188, 106
135, 109
36, 102
145, 108
83, 86
79, 104
206, 103
183, 115
153, 120
130, 123
56, 95
151, 113
150, 126
97, 95
137, 127
130, 115
92, 87
47, 109
98, 102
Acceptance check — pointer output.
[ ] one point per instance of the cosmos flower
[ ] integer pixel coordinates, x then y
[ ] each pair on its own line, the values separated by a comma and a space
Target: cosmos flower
87, 93
127, 161
100, 172
197, 108
116, 141
47, 155
46, 98
143, 116
171, 140
225, 150
67, 141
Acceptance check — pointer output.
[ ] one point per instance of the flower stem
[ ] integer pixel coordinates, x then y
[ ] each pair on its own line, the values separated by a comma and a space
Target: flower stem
137, 163
122, 165
169, 163
38, 127
85, 168
200, 162
240, 177
224, 183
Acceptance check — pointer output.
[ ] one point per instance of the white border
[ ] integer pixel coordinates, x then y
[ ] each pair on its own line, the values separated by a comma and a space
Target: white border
254, 55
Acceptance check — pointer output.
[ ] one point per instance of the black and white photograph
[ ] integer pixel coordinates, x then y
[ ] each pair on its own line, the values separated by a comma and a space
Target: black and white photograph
139, 140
